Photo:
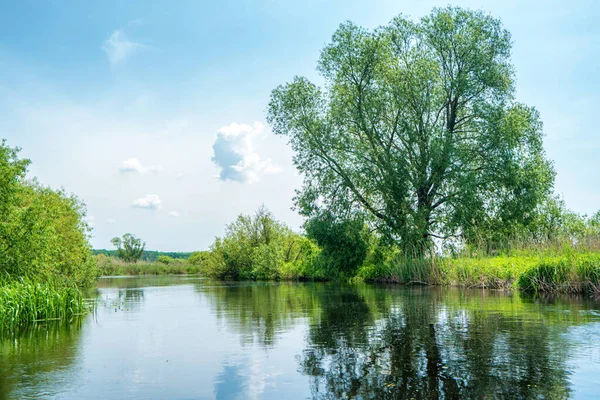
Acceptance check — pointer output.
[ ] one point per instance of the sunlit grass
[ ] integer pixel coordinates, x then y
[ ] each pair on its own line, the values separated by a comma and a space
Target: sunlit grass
566, 270
110, 266
27, 302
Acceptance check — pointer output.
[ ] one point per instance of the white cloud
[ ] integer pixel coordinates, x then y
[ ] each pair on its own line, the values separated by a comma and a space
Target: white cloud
118, 47
151, 202
173, 214
233, 151
110, 221
133, 165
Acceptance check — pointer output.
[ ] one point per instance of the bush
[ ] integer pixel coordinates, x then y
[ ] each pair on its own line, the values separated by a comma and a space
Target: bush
165, 260
198, 258
258, 247
43, 234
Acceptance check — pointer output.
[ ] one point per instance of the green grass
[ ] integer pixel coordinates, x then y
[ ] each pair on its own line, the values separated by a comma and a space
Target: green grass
110, 266
27, 302
566, 271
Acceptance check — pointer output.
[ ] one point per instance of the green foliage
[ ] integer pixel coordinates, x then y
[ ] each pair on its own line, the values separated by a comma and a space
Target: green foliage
344, 243
112, 266
27, 302
43, 233
165, 260
417, 128
571, 272
147, 255
258, 247
566, 270
129, 248
198, 257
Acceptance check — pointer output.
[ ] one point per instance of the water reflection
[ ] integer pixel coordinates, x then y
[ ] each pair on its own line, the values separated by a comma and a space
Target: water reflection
428, 345
231, 382
391, 342
191, 338
28, 361
260, 312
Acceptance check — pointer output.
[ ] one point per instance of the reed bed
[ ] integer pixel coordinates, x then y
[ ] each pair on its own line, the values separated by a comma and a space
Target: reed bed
565, 271
27, 302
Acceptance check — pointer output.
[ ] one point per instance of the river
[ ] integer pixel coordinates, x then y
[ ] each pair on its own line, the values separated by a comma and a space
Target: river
190, 338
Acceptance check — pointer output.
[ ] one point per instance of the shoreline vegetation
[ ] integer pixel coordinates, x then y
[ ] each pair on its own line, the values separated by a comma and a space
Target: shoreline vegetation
45, 255
113, 266
564, 271
261, 248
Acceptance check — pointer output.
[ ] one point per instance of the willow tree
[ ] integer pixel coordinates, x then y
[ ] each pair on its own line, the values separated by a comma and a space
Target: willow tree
417, 127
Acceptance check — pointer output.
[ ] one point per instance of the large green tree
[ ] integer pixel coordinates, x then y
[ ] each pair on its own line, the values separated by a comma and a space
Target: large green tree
417, 127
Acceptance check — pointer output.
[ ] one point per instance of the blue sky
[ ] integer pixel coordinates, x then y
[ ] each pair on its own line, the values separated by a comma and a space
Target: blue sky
122, 102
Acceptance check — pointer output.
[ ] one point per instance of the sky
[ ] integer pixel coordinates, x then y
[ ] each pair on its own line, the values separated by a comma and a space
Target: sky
154, 112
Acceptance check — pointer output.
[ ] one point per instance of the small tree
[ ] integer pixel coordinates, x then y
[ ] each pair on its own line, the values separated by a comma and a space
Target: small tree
130, 248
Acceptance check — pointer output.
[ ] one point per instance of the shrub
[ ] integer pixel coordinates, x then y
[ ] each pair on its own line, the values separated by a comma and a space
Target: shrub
43, 233
258, 247
165, 260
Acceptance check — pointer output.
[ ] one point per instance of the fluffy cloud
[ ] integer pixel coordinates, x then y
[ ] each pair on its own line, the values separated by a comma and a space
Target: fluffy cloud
117, 47
233, 152
133, 165
173, 214
151, 202
110, 221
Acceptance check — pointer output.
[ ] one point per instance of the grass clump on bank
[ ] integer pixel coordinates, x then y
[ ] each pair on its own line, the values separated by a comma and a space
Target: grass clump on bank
29, 302
567, 271
571, 273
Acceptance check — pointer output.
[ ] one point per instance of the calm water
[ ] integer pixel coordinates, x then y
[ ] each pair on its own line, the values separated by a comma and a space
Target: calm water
187, 338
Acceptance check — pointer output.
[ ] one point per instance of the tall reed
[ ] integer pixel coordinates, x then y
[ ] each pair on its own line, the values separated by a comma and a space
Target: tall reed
28, 302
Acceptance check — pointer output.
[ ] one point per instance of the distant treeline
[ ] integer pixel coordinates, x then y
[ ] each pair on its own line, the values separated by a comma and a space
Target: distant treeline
148, 255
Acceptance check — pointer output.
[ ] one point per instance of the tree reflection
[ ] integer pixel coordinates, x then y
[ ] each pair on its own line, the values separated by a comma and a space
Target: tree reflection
429, 346
370, 342
259, 312
27, 360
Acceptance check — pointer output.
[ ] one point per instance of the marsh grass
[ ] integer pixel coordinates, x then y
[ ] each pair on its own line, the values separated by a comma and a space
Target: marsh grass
547, 267
26, 302
110, 266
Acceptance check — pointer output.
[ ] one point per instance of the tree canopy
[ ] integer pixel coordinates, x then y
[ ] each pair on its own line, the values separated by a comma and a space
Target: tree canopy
129, 248
417, 128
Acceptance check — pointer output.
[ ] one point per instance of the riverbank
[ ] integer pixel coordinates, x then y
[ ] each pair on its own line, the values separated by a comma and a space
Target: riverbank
566, 272
562, 271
